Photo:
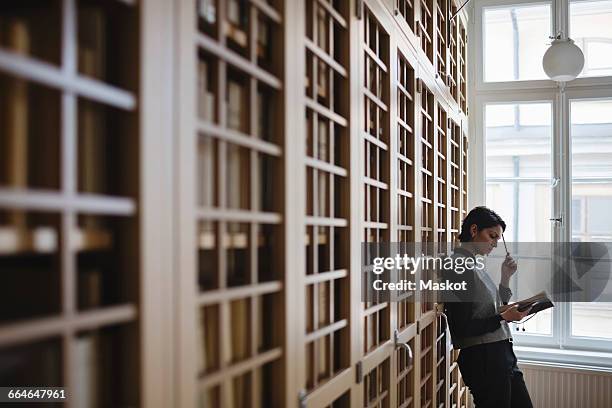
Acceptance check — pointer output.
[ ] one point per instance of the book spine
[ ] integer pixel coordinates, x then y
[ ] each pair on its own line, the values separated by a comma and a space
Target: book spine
17, 127
86, 372
91, 123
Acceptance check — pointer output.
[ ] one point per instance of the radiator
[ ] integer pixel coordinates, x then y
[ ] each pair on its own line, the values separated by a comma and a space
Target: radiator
566, 387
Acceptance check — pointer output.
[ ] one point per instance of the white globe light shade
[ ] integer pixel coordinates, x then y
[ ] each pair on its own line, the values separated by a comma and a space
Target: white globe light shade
563, 61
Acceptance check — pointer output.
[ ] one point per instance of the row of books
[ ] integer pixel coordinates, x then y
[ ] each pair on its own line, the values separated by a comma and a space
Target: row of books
238, 109
236, 25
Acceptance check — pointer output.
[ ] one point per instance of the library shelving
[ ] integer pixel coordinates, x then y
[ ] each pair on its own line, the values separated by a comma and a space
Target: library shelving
185, 188
69, 199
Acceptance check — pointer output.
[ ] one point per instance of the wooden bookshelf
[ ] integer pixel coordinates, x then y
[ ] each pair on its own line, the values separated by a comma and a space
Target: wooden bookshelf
406, 159
428, 170
68, 221
453, 54
464, 173
442, 177
442, 37
189, 186
425, 28
406, 153
238, 174
278, 197
376, 176
376, 387
428, 372
462, 62
443, 353
455, 180
406, 9
326, 163
24, 30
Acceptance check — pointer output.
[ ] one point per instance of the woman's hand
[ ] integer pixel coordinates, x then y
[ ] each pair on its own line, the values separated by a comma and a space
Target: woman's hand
508, 269
512, 314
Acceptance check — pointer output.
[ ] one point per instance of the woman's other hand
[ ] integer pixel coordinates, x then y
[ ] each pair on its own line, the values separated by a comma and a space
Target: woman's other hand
512, 314
508, 269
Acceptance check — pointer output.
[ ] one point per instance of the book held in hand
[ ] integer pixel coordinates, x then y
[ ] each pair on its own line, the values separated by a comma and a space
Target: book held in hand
537, 302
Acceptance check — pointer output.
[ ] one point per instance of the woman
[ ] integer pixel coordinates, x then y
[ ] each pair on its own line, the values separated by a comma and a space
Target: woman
477, 325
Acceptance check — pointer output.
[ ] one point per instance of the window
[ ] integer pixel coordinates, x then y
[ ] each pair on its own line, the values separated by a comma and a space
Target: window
518, 168
515, 39
591, 29
528, 125
591, 161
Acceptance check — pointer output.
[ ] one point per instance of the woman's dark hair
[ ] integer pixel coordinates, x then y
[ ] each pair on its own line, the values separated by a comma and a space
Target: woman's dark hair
483, 217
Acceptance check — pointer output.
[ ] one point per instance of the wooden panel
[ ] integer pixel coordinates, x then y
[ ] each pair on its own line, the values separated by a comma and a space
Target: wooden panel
442, 347
441, 177
427, 365
376, 388
428, 172
455, 180
237, 169
406, 8
405, 378
425, 28
376, 162
442, 37
70, 181
327, 158
452, 79
462, 44
405, 156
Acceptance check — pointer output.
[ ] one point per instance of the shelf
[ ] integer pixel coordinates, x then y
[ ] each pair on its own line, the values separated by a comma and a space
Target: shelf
45, 240
49, 75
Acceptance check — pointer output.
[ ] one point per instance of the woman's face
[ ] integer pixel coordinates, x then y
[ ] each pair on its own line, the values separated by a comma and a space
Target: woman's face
486, 238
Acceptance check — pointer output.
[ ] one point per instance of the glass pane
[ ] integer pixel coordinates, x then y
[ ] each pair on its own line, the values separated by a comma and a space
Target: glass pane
576, 219
518, 146
106, 261
515, 39
32, 28
540, 323
518, 141
598, 214
107, 42
591, 29
30, 126
29, 252
105, 366
31, 363
107, 150
592, 320
591, 136
525, 207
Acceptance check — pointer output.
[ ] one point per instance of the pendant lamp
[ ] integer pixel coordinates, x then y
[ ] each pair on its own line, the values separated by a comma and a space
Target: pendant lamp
563, 61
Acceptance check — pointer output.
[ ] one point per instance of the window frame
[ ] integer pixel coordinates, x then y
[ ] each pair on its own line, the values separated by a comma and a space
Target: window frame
498, 5
559, 22
561, 347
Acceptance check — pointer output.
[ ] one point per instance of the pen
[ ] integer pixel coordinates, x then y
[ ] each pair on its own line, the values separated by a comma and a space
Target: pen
504, 239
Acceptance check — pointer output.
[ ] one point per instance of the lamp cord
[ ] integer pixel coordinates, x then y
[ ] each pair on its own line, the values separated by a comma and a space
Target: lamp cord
460, 8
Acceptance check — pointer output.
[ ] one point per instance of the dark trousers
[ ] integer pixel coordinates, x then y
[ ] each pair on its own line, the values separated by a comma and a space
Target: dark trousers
491, 373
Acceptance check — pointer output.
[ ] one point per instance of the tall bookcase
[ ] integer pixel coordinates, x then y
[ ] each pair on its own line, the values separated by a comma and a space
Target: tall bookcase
231, 151
189, 184
69, 197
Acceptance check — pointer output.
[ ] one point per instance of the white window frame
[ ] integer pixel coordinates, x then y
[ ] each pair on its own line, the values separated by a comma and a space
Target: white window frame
480, 46
560, 347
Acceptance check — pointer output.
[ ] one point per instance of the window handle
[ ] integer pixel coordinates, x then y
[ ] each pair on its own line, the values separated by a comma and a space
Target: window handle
558, 220
554, 182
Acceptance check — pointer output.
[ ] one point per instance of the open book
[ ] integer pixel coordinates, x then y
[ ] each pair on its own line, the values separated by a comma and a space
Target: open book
537, 302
